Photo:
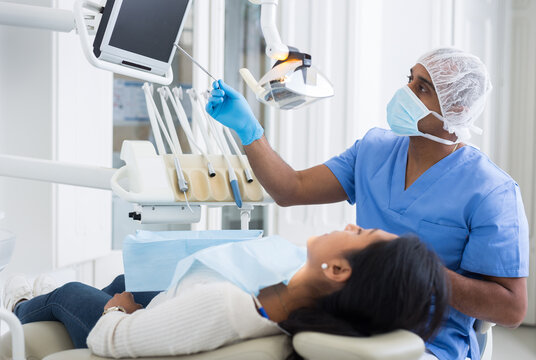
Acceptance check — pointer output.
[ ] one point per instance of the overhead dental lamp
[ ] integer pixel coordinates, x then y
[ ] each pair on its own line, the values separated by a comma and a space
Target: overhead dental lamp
293, 81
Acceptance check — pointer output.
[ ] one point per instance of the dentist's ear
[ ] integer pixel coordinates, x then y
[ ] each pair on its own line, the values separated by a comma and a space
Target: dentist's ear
338, 270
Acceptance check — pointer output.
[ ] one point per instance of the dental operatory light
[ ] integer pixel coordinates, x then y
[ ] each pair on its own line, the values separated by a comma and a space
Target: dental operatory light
293, 81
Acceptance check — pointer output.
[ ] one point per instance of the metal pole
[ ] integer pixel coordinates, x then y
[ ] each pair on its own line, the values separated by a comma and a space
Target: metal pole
57, 172
37, 17
17, 335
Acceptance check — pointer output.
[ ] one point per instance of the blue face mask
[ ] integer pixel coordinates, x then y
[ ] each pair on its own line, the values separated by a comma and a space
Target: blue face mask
404, 112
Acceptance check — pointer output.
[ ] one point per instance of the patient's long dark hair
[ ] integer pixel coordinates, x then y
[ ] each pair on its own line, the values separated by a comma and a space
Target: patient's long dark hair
398, 284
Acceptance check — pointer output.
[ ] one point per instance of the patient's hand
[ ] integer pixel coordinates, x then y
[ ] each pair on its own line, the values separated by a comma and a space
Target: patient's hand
126, 300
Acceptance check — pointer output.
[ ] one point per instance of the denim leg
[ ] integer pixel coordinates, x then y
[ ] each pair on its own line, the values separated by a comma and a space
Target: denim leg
118, 286
76, 305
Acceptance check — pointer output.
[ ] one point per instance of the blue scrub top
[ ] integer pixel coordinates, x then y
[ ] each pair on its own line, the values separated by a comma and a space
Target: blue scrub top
464, 207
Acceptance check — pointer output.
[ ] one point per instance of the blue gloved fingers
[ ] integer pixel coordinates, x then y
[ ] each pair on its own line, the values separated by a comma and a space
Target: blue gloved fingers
229, 91
216, 100
231, 109
213, 109
209, 108
217, 92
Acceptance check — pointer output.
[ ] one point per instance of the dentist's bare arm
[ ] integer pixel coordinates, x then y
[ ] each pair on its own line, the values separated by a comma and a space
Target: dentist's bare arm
287, 186
494, 299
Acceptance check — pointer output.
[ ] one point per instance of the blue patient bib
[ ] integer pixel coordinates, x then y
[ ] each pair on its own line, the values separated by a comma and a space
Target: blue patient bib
150, 257
156, 261
250, 265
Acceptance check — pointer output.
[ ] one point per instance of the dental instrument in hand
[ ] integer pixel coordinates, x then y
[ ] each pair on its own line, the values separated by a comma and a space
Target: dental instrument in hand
183, 120
232, 175
195, 62
182, 183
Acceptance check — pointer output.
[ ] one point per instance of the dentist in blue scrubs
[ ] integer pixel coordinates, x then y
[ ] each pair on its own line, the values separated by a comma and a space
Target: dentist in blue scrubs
420, 177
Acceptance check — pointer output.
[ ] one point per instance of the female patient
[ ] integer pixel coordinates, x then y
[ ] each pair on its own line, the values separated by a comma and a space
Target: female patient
354, 282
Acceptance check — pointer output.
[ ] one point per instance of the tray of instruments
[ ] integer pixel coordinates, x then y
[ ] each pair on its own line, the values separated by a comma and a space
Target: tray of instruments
151, 179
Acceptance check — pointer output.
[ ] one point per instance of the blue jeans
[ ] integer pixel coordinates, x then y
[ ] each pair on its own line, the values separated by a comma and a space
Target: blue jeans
77, 306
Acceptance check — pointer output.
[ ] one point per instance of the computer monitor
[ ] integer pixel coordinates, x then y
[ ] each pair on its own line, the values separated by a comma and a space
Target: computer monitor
140, 33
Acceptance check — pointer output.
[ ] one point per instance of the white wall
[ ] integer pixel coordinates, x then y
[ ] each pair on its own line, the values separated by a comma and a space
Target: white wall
53, 105
26, 106
520, 117
366, 49
83, 126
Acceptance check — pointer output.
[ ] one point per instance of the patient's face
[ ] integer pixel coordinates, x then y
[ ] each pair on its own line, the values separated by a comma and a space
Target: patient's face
322, 248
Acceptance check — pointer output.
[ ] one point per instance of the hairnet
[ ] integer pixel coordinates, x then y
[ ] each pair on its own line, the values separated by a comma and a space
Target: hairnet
462, 84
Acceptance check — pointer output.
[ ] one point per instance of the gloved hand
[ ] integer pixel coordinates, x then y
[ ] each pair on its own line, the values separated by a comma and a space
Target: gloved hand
230, 108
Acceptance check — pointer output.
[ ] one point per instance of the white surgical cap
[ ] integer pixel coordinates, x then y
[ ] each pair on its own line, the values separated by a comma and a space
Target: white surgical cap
462, 84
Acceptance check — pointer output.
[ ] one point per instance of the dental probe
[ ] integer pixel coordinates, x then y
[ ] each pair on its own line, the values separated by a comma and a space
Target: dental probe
198, 64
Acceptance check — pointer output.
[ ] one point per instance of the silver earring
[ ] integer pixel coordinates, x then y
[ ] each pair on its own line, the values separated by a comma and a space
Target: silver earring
324, 266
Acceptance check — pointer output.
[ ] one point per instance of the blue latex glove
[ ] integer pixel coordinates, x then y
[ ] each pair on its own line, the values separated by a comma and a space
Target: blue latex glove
229, 107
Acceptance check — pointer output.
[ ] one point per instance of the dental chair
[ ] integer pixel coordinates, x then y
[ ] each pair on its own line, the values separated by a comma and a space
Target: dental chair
50, 341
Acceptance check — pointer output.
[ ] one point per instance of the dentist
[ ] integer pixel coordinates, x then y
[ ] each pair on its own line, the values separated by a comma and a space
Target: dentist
420, 178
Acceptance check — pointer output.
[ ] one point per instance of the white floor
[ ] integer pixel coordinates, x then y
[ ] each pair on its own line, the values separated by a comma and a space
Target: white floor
518, 344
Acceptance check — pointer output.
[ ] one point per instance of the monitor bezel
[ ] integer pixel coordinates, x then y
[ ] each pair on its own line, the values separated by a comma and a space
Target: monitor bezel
119, 56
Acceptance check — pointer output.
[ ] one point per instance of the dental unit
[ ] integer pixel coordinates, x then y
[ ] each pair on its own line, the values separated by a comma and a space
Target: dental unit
175, 100
197, 107
237, 151
164, 188
173, 143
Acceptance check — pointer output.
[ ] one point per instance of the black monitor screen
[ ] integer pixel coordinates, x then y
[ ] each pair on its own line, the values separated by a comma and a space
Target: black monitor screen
149, 27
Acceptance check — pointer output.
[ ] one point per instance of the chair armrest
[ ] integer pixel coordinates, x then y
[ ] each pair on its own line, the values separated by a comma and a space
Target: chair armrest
482, 327
40, 340
399, 345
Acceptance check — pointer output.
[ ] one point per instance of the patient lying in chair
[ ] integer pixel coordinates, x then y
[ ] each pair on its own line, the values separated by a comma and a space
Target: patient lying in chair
353, 282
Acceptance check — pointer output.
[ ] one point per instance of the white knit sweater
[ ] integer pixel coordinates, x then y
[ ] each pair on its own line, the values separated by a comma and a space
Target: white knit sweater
204, 313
